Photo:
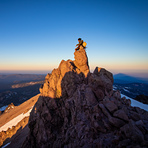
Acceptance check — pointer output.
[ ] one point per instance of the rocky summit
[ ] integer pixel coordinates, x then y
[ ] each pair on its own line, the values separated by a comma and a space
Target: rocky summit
77, 108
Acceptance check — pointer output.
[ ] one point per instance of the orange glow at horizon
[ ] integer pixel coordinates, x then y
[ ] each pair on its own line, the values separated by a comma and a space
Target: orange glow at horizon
118, 66
24, 67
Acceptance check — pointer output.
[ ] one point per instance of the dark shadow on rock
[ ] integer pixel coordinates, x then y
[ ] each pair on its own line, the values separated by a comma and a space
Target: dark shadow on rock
18, 138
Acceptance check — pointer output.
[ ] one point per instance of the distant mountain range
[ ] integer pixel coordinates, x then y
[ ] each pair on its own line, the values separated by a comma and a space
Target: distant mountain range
125, 79
8, 78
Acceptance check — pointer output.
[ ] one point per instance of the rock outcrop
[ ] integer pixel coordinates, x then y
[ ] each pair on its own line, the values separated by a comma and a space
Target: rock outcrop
10, 107
77, 108
142, 98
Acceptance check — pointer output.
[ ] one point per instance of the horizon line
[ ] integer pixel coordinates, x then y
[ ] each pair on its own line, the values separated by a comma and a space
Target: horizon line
45, 72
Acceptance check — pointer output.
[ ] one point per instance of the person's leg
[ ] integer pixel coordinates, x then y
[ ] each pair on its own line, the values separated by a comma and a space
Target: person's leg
77, 48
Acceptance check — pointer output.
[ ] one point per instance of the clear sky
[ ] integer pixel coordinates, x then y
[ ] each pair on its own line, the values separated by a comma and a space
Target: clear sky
35, 35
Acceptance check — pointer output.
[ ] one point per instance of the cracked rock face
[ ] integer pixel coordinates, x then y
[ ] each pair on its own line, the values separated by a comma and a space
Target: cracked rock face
77, 108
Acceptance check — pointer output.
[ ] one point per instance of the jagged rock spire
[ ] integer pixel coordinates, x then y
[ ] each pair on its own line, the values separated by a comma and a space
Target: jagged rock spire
53, 82
81, 61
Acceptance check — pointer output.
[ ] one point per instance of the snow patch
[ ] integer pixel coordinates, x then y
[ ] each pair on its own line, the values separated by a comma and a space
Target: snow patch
14, 121
126, 87
125, 90
6, 145
114, 87
135, 103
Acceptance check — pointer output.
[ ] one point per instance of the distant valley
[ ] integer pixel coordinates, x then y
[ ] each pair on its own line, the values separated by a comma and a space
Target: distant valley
17, 88
131, 86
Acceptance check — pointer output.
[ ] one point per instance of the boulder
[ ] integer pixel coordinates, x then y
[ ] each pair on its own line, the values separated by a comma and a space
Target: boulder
107, 76
121, 115
101, 80
10, 107
111, 106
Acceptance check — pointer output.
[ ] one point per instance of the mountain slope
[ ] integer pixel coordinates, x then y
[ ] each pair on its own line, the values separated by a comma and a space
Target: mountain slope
6, 117
15, 118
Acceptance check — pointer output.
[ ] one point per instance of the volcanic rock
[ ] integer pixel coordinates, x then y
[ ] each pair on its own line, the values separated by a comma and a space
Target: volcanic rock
77, 108
9, 107
121, 114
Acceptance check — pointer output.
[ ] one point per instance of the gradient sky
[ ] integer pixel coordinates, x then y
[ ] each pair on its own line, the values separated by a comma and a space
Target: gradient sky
35, 35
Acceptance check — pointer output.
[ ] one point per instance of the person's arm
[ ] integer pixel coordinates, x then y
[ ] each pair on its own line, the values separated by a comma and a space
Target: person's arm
80, 43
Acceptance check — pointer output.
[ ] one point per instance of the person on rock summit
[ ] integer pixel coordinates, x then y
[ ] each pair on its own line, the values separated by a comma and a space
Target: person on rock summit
80, 44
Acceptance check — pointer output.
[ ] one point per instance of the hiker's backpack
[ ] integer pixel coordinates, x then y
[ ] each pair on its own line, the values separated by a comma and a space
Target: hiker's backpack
84, 44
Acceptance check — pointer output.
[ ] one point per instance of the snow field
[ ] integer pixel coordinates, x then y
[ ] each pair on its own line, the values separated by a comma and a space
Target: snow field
135, 103
14, 121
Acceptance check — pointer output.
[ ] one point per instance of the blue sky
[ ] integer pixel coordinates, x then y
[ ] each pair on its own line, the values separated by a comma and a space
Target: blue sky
35, 35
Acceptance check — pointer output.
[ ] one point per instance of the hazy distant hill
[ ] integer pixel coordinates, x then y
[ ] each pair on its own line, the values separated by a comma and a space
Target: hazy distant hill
125, 79
6, 81
20, 77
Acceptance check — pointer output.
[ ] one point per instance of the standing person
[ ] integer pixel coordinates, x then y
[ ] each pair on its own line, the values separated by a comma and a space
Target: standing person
80, 44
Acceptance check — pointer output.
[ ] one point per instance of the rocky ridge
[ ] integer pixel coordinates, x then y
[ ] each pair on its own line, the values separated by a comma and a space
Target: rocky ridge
12, 131
77, 108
